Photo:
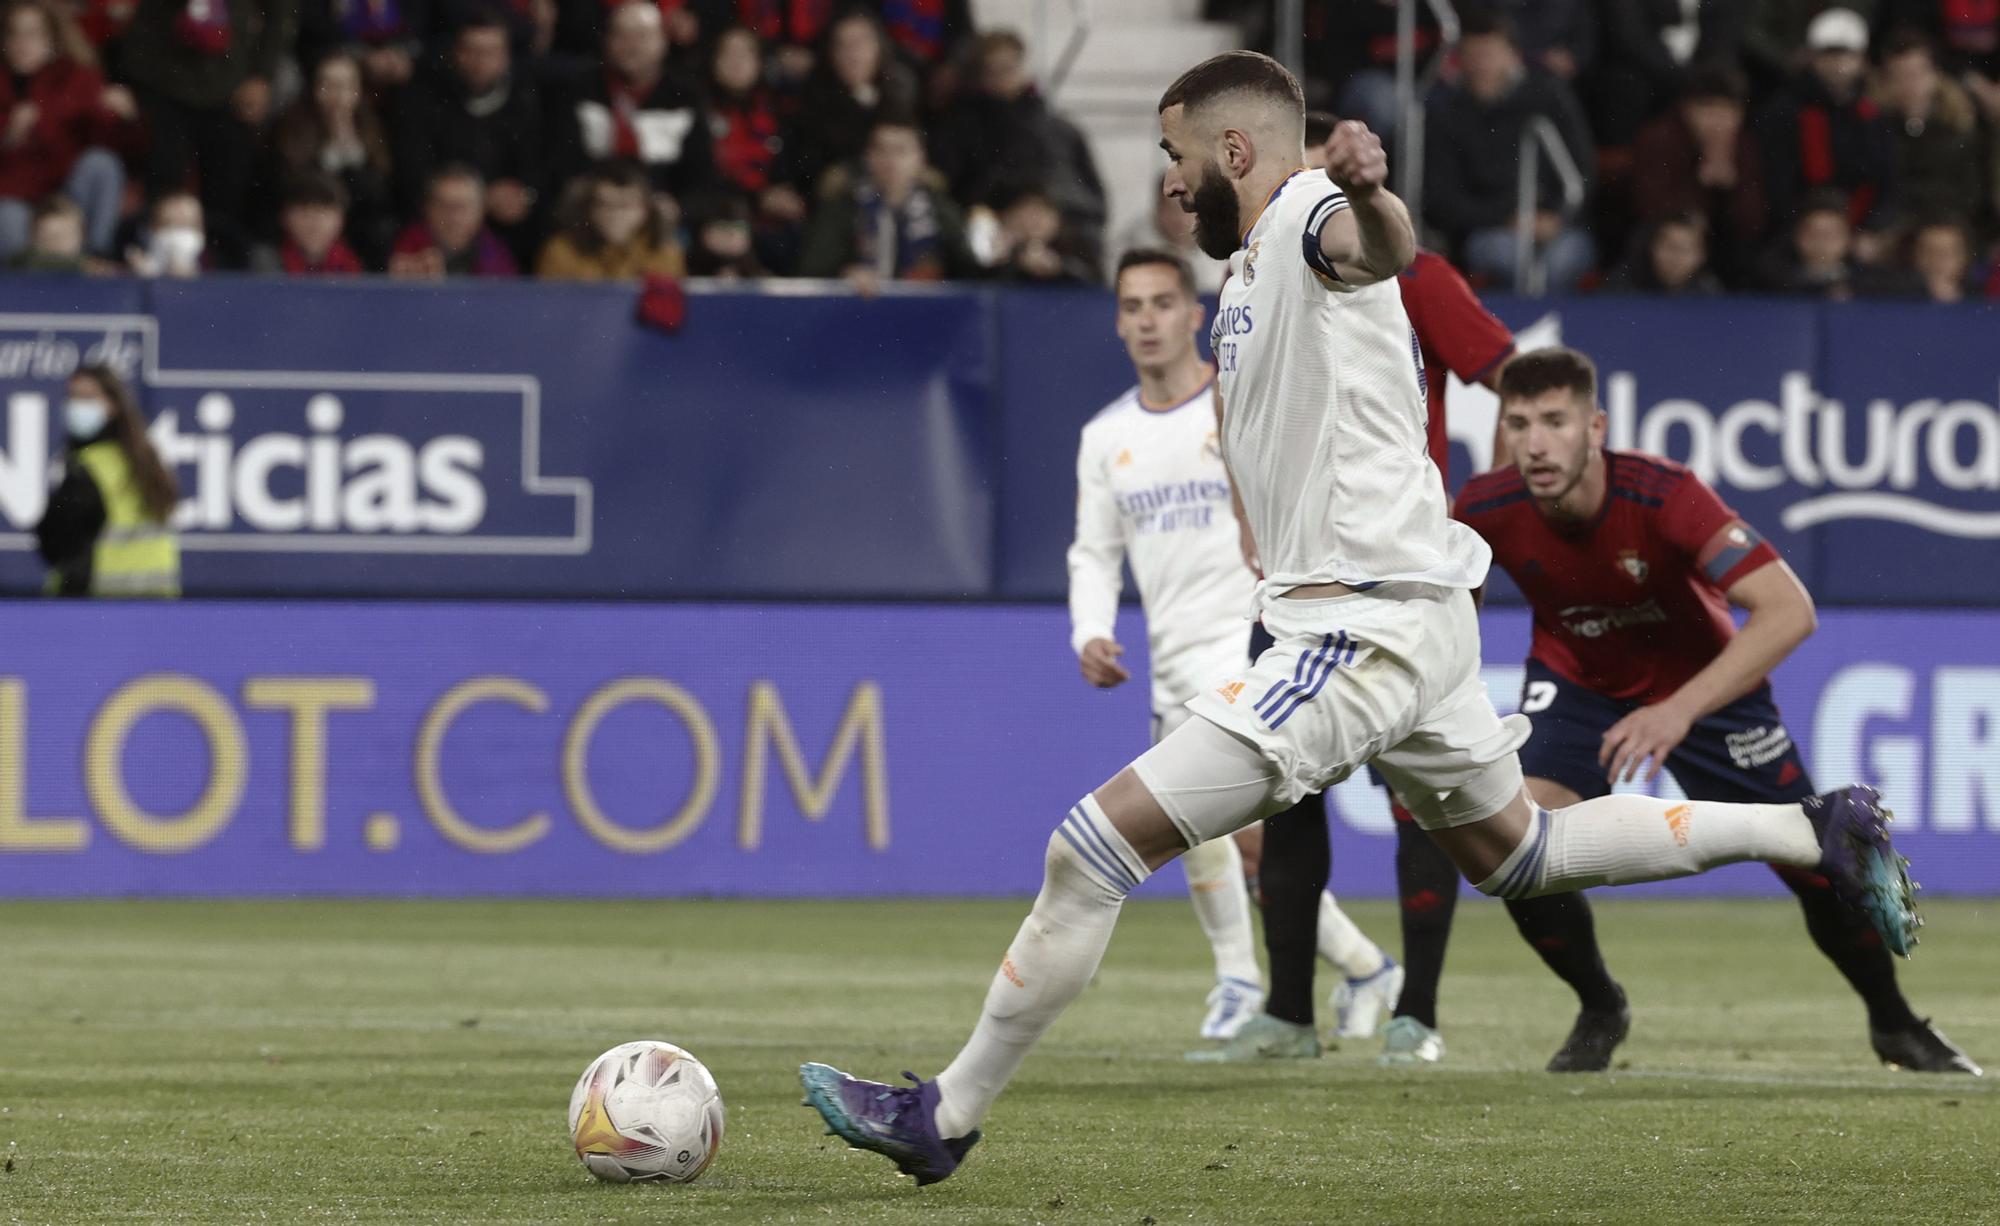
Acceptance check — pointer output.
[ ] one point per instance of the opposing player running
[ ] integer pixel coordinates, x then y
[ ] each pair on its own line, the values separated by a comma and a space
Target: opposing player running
1152, 490
1367, 592
1631, 563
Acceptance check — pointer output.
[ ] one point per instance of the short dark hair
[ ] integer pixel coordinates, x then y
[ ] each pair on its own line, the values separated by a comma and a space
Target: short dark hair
482, 17
1234, 72
462, 171
1002, 39
1140, 257
1715, 81
1319, 127
314, 189
621, 173
1906, 42
1530, 374
55, 205
1823, 200
896, 117
1480, 22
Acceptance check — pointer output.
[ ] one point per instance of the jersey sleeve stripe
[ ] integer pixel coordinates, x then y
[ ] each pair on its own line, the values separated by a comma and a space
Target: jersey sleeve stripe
1496, 502
1316, 222
1743, 546
1638, 496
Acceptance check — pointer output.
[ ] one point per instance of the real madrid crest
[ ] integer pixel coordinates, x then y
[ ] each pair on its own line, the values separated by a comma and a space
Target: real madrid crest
1633, 565
1250, 262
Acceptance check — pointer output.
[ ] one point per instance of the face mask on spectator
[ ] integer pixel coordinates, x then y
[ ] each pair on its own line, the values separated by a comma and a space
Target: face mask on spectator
176, 250
85, 419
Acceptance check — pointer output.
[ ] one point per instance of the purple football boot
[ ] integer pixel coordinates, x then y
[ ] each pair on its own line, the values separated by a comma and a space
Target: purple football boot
1857, 859
898, 1122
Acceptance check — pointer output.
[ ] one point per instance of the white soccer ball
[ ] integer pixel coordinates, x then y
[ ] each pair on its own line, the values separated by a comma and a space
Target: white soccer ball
646, 1111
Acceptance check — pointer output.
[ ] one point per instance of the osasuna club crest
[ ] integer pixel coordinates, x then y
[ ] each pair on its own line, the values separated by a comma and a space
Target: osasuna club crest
1633, 565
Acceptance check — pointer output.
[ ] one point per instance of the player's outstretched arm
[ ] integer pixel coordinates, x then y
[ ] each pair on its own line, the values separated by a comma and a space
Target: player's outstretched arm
1096, 565
1781, 617
1372, 239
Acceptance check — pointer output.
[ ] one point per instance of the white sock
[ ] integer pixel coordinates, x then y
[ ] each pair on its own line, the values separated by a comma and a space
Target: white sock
1089, 871
1345, 945
1617, 840
1222, 904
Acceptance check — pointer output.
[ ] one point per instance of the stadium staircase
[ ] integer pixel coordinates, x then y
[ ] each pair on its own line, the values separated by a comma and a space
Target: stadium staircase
1130, 51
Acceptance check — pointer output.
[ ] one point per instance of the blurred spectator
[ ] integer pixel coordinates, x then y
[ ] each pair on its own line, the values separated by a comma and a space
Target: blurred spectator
1003, 139
56, 118
1166, 226
612, 230
888, 224
792, 28
747, 130
1350, 52
1670, 259
1472, 170
1701, 158
310, 220
452, 239
476, 114
383, 37
1035, 245
744, 125
1559, 37
1940, 259
1945, 164
1647, 47
927, 31
631, 107
530, 27
724, 245
1964, 35
1774, 35
1824, 132
854, 81
1818, 258
333, 129
689, 25
55, 238
108, 527
202, 70
174, 241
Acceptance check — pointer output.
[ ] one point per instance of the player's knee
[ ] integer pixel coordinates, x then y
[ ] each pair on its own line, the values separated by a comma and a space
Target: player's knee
1086, 857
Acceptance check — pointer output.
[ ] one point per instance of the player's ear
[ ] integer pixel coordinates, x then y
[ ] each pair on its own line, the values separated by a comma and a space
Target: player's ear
1239, 152
1597, 427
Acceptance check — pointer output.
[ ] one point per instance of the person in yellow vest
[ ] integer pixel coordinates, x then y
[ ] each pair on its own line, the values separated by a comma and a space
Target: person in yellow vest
107, 530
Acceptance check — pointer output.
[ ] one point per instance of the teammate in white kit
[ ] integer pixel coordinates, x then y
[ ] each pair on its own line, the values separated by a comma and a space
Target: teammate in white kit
1368, 592
1152, 490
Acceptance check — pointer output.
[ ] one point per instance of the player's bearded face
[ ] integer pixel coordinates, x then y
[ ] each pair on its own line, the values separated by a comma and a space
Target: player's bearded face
1217, 215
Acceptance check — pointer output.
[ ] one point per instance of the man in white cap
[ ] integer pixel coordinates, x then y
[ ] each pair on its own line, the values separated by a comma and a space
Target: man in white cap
1824, 133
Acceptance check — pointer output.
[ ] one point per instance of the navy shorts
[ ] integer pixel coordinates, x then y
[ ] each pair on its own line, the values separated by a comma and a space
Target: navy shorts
1741, 754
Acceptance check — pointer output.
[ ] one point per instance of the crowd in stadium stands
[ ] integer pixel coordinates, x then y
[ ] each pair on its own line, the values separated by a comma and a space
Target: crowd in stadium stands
1785, 146
1802, 147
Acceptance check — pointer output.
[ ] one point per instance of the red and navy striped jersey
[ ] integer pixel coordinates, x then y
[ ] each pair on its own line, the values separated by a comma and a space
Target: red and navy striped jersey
1630, 604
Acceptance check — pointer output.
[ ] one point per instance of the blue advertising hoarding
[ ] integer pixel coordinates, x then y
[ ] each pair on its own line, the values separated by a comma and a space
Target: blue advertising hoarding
226, 748
533, 440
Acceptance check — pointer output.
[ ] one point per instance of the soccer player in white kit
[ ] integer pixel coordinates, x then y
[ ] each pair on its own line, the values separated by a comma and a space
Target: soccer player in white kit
1368, 592
1152, 490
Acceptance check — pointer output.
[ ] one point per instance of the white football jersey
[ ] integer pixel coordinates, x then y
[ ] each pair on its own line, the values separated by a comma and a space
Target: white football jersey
1151, 487
1323, 413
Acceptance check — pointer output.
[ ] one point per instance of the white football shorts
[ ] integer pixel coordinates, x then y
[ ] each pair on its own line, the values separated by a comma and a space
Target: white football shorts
1389, 676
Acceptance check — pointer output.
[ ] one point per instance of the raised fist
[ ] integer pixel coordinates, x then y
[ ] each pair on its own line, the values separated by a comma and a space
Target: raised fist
1355, 160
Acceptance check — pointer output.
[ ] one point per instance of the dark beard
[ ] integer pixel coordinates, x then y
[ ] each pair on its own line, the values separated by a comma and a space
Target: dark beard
1217, 218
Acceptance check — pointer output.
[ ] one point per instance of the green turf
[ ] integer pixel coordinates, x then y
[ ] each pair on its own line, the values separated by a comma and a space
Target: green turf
410, 1062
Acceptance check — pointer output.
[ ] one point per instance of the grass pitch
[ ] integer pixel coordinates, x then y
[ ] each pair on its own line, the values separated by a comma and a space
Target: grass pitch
411, 1062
